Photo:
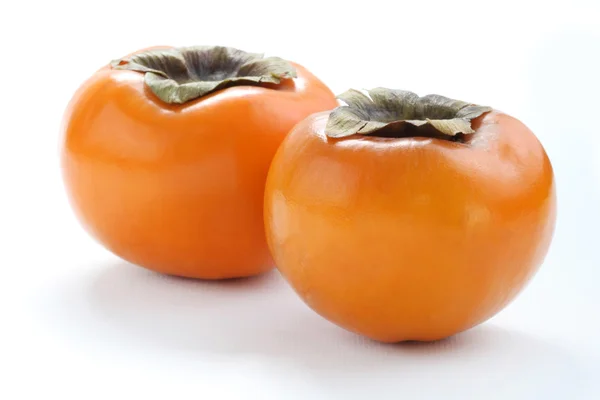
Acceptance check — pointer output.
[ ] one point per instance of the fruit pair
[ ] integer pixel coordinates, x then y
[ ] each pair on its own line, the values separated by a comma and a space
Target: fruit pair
394, 216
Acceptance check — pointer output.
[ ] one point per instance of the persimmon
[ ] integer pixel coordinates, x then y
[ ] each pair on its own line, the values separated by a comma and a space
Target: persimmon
165, 154
401, 217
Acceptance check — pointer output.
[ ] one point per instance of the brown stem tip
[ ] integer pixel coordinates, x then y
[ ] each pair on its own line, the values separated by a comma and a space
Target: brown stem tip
389, 112
179, 75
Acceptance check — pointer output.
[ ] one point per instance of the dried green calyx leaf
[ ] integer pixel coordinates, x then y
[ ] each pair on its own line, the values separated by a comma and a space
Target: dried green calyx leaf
393, 111
178, 75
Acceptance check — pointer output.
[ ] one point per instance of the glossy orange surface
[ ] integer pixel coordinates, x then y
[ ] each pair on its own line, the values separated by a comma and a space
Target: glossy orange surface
410, 238
179, 188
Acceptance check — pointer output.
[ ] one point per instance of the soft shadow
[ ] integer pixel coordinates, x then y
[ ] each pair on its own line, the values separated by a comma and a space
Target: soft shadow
259, 315
262, 319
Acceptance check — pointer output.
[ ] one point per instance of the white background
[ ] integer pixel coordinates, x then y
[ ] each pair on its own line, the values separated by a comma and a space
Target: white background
78, 323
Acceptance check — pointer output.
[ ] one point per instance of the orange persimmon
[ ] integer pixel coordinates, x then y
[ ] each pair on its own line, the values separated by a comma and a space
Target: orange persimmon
165, 154
406, 218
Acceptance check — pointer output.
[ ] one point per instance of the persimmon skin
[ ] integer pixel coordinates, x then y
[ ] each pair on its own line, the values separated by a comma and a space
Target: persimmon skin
179, 189
410, 238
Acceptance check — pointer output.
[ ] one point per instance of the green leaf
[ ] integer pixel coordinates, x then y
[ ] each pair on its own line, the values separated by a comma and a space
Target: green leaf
179, 75
395, 110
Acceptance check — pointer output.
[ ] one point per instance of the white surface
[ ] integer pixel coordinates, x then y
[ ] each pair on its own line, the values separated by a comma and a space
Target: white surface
79, 323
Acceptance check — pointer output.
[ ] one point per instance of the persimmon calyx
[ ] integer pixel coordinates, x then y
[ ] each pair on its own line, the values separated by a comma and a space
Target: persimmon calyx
400, 113
178, 75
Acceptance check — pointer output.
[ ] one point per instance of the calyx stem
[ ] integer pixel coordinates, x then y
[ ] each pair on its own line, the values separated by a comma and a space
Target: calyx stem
178, 75
391, 113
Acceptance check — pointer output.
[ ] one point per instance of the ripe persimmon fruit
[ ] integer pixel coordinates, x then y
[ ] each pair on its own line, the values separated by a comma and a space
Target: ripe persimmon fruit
165, 154
407, 218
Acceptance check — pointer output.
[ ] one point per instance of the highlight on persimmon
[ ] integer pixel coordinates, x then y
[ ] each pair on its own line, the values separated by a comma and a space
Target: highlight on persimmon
401, 217
165, 154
